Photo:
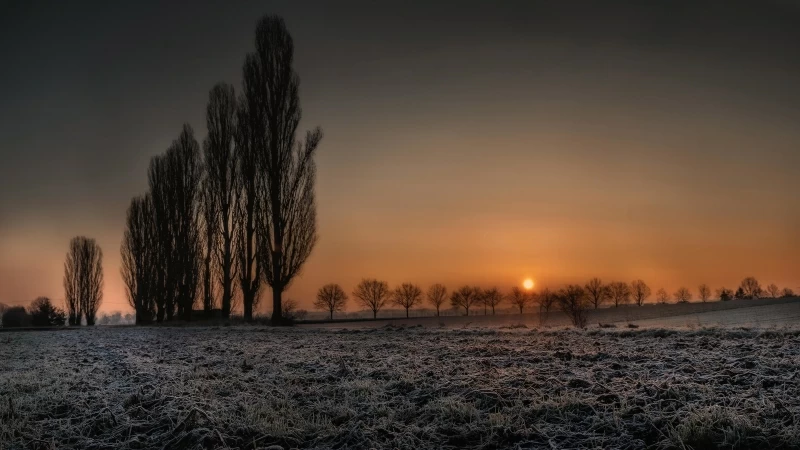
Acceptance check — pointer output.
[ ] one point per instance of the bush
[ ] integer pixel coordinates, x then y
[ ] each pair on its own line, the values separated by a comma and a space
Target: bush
44, 314
16, 317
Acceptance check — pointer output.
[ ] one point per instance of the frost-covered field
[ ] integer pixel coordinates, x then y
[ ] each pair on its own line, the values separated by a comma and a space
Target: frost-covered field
252, 387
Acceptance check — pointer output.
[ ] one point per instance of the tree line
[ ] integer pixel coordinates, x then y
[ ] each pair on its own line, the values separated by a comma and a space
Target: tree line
575, 300
216, 226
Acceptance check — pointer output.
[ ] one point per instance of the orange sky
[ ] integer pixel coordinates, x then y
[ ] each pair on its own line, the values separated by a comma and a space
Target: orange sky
474, 155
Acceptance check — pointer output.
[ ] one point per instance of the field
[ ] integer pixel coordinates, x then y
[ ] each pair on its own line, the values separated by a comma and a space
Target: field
400, 387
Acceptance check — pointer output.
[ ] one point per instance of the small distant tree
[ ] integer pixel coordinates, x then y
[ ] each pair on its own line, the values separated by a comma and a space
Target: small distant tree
492, 297
640, 292
597, 292
83, 278
407, 295
15, 317
546, 299
437, 294
788, 292
331, 298
751, 288
662, 297
704, 292
372, 294
739, 294
773, 290
465, 297
724, 294
519, 298
620, 293
44, 314
683, 295
575, 304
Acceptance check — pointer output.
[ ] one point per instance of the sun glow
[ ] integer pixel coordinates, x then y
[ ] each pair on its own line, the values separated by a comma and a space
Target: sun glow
527, 284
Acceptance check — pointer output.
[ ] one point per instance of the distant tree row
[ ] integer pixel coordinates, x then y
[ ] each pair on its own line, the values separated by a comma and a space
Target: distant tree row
574, 300
216, 227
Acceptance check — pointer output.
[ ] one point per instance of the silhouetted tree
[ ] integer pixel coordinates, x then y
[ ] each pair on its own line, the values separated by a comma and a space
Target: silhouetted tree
372, 294
331, 298
773, 290
174, 179
740, 293
662, 297
751, 288
221, 184
44, 314
15, 317
546, 300
269, 117
83, 277
620, 293
209, 237
683, 295
575, 303
596, 291
640, 292
492, 297
704, 292
465, 297
725, 294
519, 298
140, 259
787, 292
437, 294
407, 295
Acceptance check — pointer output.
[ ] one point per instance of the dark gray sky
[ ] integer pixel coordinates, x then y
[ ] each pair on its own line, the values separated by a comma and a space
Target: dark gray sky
465, 141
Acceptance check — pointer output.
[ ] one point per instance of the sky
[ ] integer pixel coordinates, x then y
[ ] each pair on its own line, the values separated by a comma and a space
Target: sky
465, 142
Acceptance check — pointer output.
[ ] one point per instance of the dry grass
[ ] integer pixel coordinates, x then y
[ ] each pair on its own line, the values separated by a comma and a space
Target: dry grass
252, 387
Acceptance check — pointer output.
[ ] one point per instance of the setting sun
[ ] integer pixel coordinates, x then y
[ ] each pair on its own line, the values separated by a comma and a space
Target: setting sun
527, 284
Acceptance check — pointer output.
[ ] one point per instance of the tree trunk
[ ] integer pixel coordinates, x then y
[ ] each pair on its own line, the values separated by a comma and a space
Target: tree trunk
277, 310
331, 314
248, 307
374, 314
406, 313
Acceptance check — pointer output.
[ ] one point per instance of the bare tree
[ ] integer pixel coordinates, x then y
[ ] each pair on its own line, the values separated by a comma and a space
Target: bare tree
620, 293
662, 297
575, 302
331, 298
751, 288
209, 242
407, 295
174, 179
139, 259
221, 183
372, 294
724, 294
596, 291
546, 300
640, 292
773, 290
519, 298
465, 297
83, 277
704, 292
436, 295
286, 225
787, 292
492, 297
683, 295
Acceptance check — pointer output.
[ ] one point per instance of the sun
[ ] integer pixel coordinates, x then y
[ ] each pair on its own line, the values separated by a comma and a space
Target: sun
527, 284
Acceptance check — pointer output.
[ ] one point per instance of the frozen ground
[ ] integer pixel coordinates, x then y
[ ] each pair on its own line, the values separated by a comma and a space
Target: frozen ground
253, 387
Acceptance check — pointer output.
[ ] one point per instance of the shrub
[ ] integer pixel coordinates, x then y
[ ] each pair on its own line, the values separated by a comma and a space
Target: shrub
15, 317
44, 314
